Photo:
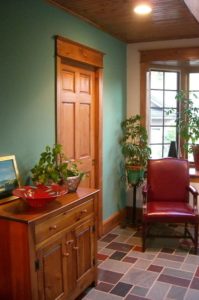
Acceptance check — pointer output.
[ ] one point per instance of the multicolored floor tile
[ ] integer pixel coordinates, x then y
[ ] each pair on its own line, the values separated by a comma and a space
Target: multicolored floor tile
167, 270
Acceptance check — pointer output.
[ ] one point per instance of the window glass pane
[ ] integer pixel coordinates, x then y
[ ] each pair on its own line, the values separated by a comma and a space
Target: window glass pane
163, 86
194, 81
156, 116
156, 135
169, 134
156, 151
170, 119
170, 80
156, 98
156, 80
190, 157
166, 150
194, 96
169, 99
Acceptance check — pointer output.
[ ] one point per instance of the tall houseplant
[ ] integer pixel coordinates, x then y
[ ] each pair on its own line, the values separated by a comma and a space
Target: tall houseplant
188, 124
134, 146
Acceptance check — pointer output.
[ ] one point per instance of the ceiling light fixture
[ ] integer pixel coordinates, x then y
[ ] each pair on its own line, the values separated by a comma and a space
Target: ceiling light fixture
142, 8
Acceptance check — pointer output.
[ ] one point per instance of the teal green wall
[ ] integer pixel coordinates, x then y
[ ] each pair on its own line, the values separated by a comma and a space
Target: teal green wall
27, 80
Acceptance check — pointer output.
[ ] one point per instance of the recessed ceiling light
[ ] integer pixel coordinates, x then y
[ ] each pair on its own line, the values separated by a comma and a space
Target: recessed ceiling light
142, 8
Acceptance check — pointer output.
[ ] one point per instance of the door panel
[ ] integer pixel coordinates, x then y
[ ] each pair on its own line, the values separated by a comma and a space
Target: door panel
51, 273
68, 80
84, 130
67, 126
76, 125
84, 248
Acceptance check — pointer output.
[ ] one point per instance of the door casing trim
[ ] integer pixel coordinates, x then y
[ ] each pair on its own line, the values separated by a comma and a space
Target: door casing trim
76, 52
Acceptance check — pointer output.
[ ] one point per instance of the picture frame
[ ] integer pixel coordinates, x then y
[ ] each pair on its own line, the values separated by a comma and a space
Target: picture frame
9, 178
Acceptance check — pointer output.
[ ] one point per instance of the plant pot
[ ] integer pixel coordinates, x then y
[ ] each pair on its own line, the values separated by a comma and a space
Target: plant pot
195, 149
134, 174
73, 183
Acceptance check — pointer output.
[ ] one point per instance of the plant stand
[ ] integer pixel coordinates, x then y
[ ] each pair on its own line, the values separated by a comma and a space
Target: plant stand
134, 204
131, 217
134, 214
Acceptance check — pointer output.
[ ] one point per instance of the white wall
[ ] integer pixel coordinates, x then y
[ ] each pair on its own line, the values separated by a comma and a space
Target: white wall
133, 68
133, 82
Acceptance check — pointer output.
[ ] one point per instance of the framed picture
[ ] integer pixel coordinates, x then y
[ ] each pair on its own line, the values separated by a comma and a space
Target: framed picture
9, 178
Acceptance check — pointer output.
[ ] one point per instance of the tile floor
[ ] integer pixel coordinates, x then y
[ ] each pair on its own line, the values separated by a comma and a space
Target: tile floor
167, 270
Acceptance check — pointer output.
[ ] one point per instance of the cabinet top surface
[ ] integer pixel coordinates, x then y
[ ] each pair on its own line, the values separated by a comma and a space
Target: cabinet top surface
19, 210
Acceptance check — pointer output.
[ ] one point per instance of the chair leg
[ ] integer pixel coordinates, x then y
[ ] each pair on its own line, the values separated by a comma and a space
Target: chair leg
196, 239
143, 236
185, 230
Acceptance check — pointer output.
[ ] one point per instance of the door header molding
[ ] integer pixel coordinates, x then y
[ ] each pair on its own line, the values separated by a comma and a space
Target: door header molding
78, 52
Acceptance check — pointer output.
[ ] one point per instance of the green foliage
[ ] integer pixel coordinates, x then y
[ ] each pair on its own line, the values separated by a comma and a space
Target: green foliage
72, 170
53, 167
134, 142
187, 120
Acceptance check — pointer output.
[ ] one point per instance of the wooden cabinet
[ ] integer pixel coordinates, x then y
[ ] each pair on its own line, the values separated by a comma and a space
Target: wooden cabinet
49, 253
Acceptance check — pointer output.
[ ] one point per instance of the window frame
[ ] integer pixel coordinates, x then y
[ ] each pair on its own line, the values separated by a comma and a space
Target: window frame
150, 57
164, 71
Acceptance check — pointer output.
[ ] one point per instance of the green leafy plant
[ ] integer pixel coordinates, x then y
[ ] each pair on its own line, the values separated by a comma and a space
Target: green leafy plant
187, 120
134, 142
53, 167
73, 170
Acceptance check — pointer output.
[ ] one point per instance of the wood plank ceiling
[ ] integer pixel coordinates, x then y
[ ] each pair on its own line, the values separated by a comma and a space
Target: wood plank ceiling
170, 19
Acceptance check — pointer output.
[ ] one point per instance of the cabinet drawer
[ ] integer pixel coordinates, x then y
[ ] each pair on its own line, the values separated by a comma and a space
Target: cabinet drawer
54, 224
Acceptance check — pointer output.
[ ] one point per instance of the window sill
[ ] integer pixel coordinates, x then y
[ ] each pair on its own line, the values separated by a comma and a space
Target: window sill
194, 175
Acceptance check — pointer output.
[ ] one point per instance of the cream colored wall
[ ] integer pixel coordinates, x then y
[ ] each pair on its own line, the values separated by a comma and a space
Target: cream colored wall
133, 83
133, 68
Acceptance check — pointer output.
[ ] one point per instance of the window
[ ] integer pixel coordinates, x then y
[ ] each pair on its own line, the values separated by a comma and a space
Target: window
163, 87
193, 80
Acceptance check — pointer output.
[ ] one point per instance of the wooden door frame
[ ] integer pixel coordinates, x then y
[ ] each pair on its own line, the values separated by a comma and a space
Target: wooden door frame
76, 52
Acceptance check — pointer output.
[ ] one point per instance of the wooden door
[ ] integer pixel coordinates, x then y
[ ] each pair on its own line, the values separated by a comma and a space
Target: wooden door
79, 109
52, 271
76, 110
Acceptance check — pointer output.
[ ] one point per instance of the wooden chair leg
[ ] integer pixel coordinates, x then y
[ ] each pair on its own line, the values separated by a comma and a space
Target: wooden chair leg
196, 239
143, 236
185, 229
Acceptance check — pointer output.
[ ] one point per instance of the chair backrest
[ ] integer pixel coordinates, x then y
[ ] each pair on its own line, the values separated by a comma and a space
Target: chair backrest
168, 179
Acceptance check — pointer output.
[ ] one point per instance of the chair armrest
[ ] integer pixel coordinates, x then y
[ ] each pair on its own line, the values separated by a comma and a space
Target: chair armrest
195, 194
193, 190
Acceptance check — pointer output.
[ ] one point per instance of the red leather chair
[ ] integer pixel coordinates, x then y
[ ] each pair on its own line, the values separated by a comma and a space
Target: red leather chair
166, 197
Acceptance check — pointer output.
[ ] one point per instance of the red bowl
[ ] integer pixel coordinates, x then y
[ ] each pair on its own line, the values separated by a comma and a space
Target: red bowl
39, 196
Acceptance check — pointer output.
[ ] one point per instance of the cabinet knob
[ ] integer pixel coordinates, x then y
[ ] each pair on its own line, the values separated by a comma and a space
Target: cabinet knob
66, 254
75, 248
69, 242
84, 211
53, 227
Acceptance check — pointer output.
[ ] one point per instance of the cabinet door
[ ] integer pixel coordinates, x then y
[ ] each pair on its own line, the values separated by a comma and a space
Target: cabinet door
51, 271
84, 248
70, 266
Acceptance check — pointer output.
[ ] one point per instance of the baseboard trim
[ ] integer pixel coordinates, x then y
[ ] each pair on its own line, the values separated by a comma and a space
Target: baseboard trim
114, 220
120, 217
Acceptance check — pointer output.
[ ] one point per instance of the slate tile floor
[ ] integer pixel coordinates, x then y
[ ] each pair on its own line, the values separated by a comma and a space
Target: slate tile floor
167, 270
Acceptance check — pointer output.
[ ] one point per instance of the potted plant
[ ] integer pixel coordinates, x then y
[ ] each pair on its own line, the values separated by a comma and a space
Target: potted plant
134, 145
188, 124
51, 167
54, 168
74, 176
